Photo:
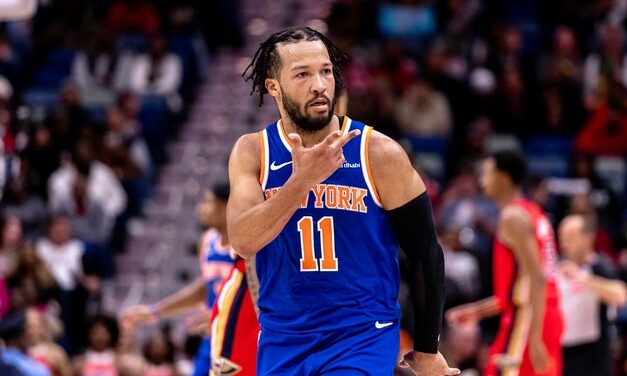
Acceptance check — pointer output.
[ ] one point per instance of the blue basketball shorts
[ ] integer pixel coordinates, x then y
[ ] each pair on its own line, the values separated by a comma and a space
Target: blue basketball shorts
202, 360
369, 349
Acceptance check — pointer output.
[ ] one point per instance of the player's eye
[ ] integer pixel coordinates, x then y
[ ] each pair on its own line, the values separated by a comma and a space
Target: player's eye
302, 74
327, 71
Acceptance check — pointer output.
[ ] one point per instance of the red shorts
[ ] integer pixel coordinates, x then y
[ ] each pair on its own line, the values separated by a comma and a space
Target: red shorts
234, 327
512, 341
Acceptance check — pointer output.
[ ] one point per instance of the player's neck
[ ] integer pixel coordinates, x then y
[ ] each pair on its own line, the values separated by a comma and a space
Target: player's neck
507, 197
310, 138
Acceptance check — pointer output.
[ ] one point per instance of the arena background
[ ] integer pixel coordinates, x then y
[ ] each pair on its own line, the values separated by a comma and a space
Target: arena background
450, 79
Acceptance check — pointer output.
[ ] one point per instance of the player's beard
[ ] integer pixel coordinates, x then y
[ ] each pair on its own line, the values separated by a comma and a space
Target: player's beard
301, 119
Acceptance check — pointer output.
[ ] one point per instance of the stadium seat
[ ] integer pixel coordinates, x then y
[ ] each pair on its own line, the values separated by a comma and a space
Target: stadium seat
56, 69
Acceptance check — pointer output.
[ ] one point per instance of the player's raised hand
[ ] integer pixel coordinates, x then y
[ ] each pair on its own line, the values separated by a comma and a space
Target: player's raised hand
423, 364
138, 314
315, 164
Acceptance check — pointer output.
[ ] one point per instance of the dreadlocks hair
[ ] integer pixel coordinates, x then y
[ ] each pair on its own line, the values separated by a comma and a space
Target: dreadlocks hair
266, 62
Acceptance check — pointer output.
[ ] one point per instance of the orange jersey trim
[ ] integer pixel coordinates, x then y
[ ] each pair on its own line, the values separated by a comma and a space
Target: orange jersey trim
368, 131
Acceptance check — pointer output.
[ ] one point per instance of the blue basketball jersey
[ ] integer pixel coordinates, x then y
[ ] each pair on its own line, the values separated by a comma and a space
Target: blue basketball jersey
335, 263
216, 262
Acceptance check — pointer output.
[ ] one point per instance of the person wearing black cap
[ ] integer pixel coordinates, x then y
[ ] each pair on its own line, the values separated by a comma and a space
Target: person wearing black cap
13, 333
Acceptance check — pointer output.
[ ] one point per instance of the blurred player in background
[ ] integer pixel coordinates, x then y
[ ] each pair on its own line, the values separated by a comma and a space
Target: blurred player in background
525, 291
216, 261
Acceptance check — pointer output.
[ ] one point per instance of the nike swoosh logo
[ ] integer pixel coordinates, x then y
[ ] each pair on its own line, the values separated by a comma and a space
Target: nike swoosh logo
381, 325
275, 167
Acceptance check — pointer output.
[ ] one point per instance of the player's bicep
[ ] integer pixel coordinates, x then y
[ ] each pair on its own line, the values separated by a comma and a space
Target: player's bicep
395, 178
244, 167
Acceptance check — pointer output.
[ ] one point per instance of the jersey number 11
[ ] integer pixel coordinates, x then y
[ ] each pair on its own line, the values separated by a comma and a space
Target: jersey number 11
308, 261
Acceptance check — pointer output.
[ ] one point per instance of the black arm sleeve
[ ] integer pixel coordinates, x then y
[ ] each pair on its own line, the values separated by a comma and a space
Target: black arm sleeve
414, 229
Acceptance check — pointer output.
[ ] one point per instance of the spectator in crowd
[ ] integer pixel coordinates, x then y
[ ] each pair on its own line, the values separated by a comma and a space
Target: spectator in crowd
40, 158
605, 66
5, 302
91, 196
157, 72
42, 348
19, 202
460, 345
100, 357
132, 16
7, 137
101, 66
13, 332
159, 353
464, 208
63, 256
561, 70
605, 133
32, 271
423, 112
69, 121
127, 154
11, 242
460, 266
9, 59
458, 17
588, 285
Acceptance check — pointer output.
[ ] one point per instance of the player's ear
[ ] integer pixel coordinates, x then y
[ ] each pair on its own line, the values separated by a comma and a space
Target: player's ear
272, 85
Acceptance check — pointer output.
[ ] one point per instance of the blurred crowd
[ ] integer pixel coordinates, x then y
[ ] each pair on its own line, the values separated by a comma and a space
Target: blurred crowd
90, 92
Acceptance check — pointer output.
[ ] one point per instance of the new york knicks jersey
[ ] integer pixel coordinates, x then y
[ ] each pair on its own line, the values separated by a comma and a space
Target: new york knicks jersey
216, 261
335, 262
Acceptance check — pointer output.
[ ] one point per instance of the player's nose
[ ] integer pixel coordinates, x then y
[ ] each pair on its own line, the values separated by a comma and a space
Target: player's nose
319, 85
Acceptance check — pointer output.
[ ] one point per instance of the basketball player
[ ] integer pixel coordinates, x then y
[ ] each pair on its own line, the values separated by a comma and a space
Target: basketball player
322, 202
525, 292
216, 262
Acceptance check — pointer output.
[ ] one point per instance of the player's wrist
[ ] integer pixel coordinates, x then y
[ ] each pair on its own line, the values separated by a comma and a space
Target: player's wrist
155, 310
298, 185
422, 354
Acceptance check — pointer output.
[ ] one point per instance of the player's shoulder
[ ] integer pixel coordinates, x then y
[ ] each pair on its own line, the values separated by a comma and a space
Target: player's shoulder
247, 142
383, 150
515, 218
246, 151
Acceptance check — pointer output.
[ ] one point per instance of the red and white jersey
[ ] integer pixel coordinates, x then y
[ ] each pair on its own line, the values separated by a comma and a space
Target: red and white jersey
509, 289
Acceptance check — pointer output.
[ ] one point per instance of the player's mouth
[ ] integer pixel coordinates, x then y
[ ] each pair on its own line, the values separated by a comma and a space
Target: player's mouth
320, 105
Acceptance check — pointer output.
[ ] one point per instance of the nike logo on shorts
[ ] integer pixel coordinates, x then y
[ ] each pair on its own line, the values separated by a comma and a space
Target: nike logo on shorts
275, 167
381, 325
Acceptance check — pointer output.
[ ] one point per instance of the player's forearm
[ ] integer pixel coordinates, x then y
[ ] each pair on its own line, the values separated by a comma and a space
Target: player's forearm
253, 229
610, 291
187, 298
537, 299
487, 307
